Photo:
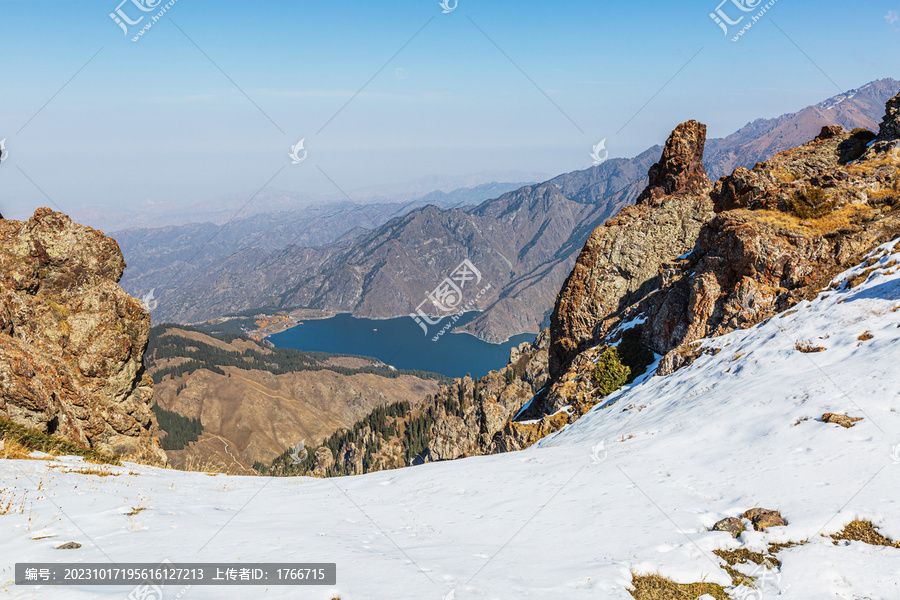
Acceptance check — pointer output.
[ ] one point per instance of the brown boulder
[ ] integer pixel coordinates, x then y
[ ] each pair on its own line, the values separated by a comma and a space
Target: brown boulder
763, 518
69, 546
729, 525
828, 132
71, 340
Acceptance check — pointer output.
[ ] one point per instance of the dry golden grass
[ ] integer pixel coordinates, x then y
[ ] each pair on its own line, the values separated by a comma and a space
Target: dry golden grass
88, 471
784, 176
838, 219
742, 555
886, 159
33, 440
210, 466
14, 450
807, 347
655, 587
865, 336
865, 532
11, 503
886, 196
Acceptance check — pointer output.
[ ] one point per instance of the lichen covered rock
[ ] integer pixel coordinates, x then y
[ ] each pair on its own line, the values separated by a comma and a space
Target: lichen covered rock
71, 340
621, 260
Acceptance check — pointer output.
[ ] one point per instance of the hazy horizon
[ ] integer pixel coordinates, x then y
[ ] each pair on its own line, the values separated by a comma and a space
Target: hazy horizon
211, 99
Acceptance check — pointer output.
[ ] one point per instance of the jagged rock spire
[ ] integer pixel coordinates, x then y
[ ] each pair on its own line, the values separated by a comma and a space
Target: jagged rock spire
889, 131
622, 258
890, 125
680, 170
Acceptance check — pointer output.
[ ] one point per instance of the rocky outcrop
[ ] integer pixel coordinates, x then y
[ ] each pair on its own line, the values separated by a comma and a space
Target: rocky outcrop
680, 171
750, 264
780, 232
71, 340
465, 418
621, 260
889, 130
324, 460
487, 408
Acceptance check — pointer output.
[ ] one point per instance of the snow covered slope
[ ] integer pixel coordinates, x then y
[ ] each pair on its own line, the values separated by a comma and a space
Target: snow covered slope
570, 518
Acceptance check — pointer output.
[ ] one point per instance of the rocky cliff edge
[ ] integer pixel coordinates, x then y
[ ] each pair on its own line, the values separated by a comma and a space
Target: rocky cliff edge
71, 340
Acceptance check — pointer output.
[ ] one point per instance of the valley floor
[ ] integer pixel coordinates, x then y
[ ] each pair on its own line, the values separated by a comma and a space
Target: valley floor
631, 488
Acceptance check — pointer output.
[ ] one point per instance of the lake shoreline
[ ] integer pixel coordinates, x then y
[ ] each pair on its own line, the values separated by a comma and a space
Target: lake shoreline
403, 343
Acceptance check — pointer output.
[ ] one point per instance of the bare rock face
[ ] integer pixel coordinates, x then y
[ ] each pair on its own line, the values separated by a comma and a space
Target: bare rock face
621, 260
746, 272
451, 437
757, 243
680, 171
889, 130
324, 461
71, 340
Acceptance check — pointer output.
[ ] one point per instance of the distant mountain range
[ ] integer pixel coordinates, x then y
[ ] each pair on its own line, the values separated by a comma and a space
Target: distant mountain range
763, 138
524, 242
167, 257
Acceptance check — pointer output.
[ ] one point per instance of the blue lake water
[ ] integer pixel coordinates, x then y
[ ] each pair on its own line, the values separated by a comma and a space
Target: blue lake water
402, 343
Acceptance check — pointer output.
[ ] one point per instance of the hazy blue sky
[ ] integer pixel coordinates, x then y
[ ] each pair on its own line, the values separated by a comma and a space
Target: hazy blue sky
155, 121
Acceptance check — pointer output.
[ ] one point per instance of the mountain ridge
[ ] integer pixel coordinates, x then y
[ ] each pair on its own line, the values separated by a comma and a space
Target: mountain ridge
405, 266
692, 260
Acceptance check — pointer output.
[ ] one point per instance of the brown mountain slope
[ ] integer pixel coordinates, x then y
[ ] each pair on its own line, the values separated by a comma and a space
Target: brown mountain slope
763, 138
260, 413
